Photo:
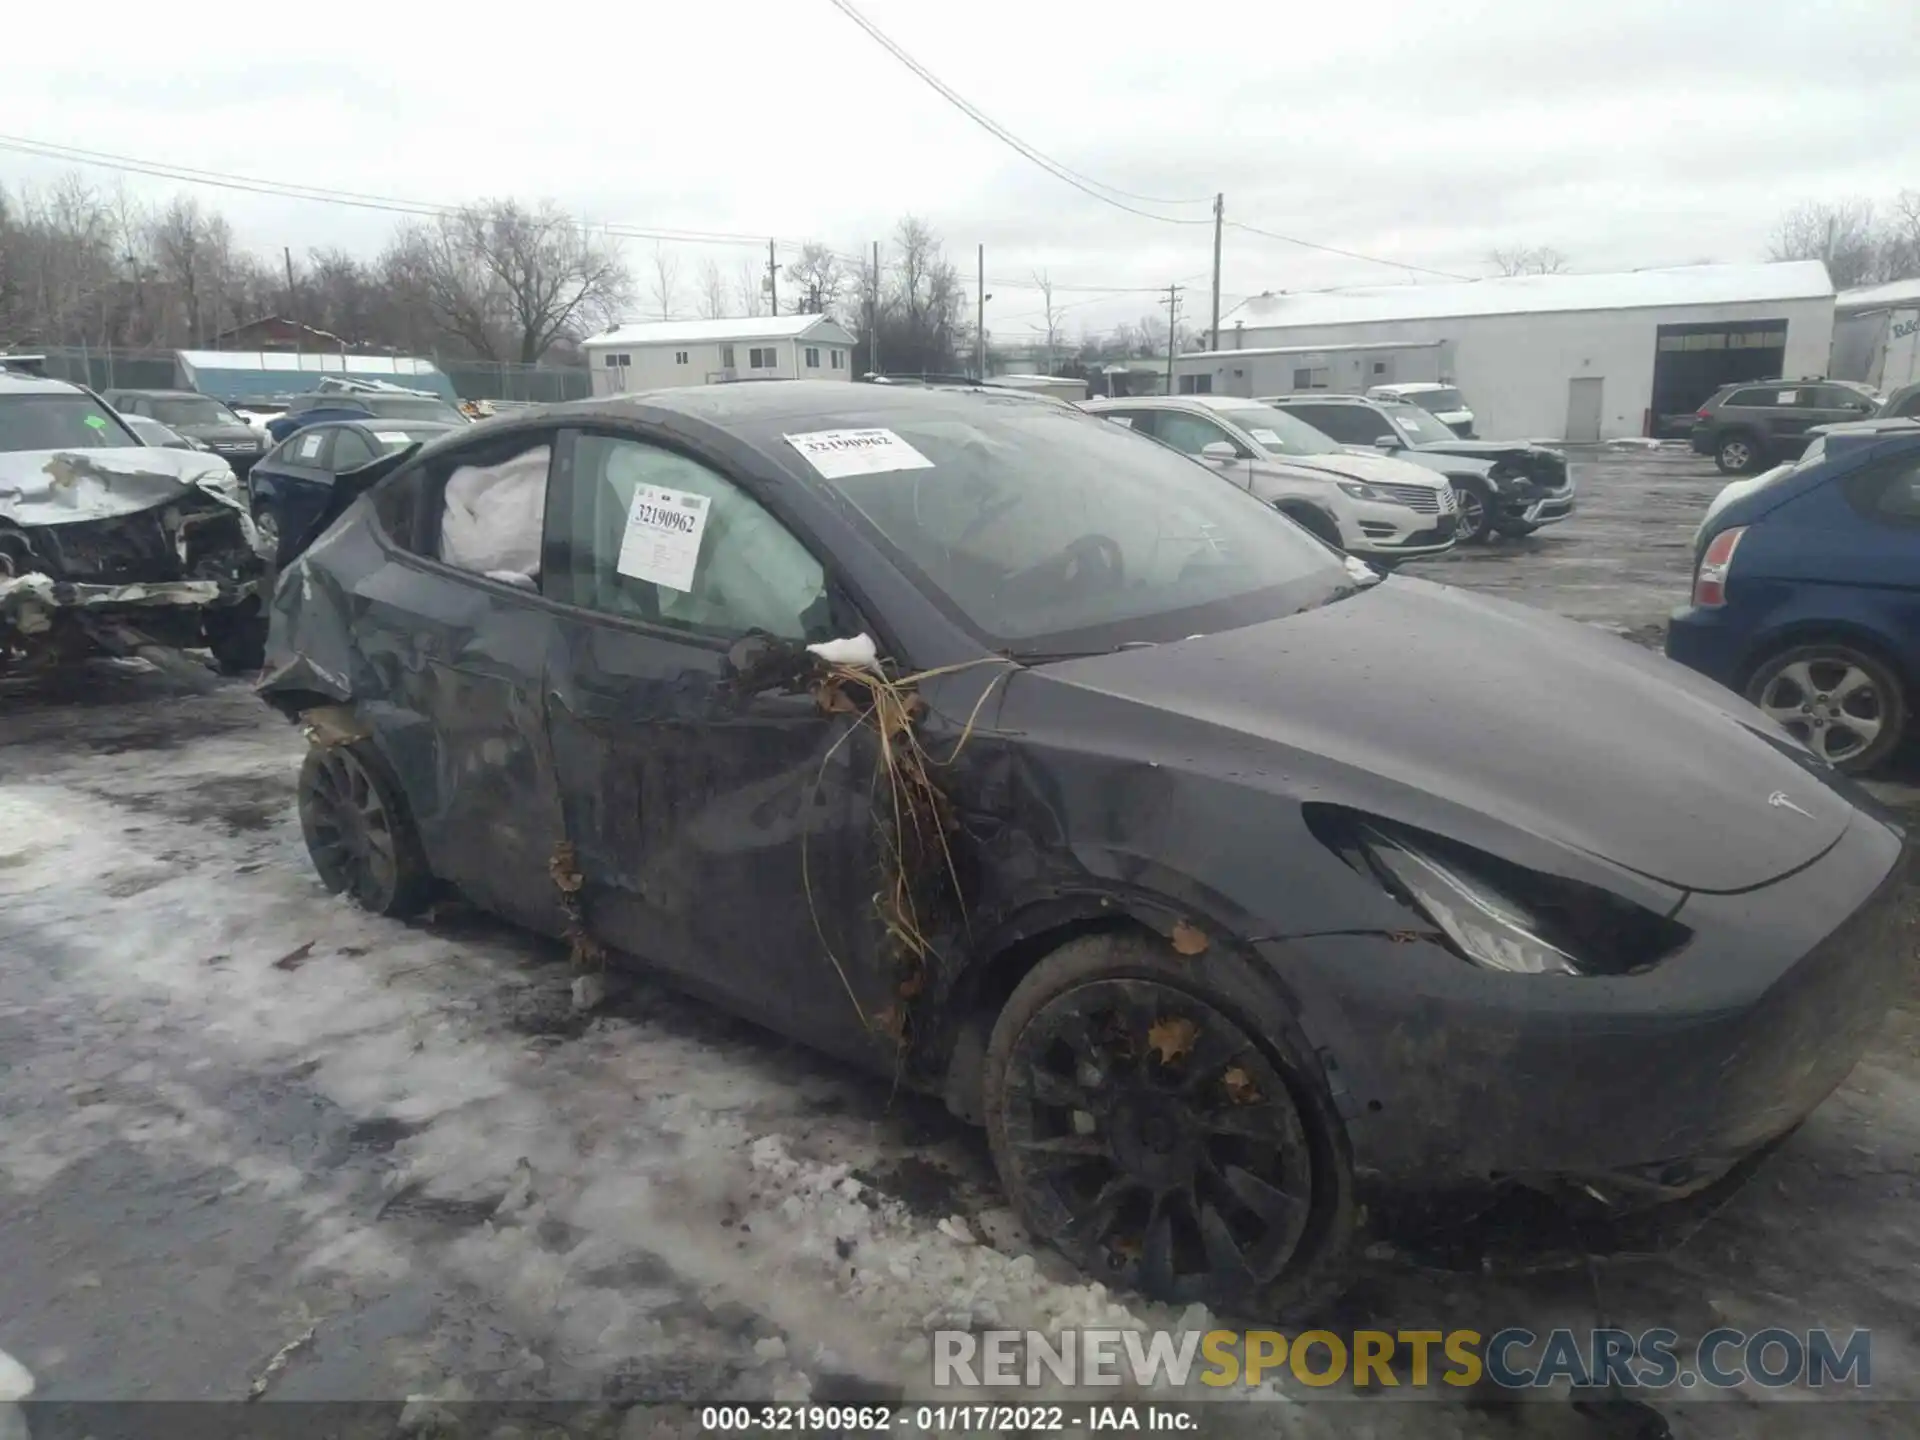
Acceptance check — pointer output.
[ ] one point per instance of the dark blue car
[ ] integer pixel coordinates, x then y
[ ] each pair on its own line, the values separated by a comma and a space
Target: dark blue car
1806, 594
305, 410
291, 484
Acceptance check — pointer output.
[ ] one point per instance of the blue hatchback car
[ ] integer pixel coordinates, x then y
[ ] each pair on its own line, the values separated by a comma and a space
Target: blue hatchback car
1806, 592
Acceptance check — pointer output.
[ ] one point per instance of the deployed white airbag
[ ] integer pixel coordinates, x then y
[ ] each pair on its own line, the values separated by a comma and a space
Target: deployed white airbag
493, 515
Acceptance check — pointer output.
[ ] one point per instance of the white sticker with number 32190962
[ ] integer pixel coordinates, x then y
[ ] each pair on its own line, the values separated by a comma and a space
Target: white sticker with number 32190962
662, 543
839, 453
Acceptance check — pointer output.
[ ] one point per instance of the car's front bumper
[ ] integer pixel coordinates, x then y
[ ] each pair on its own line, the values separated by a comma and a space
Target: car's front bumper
1398, 531
1450, 1074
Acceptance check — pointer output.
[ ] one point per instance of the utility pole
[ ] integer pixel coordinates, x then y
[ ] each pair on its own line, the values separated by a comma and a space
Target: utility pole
980, 315
773, 280
873, 315
287, 251
1173, 311
1219, 219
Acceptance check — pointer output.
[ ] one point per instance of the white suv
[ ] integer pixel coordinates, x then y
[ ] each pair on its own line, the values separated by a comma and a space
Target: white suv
1371, 505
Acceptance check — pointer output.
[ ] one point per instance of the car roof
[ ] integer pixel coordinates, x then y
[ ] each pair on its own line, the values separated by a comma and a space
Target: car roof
1414, 387
723, 405
163, 394
14, 383
1317, 397
1175, 402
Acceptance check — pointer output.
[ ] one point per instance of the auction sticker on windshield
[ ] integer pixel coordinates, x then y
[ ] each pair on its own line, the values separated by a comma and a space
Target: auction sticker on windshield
1265, 437
662, 543
838, 453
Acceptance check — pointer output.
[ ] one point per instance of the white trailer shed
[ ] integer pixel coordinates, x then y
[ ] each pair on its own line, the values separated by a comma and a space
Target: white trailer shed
1876, 335
1578, 357
666, 353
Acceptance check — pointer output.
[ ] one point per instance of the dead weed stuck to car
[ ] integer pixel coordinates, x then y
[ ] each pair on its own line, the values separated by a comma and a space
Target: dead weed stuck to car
919, 888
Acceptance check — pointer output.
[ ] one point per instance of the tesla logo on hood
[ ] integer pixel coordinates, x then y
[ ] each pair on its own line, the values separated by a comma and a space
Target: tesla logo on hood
1779, 801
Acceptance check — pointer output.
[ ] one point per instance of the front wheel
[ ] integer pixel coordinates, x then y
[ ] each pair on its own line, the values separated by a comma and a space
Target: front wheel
1843, 704
1147, 1133
1737, 455
1475, 504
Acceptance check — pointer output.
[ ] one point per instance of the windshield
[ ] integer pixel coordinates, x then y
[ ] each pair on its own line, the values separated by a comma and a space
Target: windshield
408, 407
1436, 401
192, 410
59, 422
1279, 433
1046, 532
1417, 425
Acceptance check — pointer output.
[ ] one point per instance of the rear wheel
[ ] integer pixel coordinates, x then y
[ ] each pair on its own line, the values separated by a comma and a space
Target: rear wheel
1845, 705
1737, 454
1142, 1129
358, 831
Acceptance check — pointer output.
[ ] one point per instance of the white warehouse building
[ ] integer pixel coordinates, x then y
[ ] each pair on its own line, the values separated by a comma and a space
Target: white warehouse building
1559, 357
666, 353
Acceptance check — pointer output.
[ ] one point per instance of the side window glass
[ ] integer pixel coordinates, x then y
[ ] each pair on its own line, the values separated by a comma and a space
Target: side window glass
1750, 399
1188, 433
350, 448
1888, 493
308, 444
1349, 424
491, 510
647, 533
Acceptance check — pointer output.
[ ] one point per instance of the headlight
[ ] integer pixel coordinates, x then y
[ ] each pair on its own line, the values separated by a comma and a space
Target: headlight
1497, 914
1359, 491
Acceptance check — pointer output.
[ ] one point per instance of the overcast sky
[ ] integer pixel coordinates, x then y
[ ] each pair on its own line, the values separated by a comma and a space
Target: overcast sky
1635, 133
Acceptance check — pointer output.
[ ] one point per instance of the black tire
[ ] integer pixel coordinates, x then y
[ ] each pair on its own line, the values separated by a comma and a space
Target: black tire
1316, 523
1518, 529
1843, 702
238, 643
1738, 452
359, 833
1217, 1174
1473, 502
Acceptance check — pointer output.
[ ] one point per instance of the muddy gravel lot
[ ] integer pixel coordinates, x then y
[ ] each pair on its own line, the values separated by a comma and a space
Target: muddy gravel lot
254, 1140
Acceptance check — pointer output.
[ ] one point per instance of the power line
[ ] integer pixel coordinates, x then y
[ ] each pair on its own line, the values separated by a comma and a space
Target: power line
1350, 254
1084, 183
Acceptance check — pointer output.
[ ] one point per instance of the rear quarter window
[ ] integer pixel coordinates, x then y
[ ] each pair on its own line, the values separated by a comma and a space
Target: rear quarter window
1887, 492
1753, 398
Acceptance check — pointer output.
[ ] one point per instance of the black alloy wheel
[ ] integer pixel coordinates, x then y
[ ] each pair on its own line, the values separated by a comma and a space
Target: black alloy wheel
1146, 1135
358, 833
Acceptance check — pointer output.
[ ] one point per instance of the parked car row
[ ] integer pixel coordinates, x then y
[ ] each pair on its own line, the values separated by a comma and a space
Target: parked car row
1382, 479
1271, 883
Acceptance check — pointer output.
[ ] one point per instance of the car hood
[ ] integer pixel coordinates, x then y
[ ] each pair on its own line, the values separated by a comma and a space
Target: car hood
59, 487
1360, 465
1433, 461
1545, 725
1518, 451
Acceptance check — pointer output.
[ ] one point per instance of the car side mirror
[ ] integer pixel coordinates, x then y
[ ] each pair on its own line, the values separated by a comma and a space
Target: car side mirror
1219, 452
1386, 442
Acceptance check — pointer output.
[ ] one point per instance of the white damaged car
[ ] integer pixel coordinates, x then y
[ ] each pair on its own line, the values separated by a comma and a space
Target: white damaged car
109, 545
1373, 506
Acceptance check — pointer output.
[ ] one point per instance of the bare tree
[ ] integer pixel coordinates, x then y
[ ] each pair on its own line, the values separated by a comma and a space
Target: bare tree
1528, 260
713, 303
752, 288
1900, 247
664, 288
1842, 234
819, 281
508, 282
1050, 328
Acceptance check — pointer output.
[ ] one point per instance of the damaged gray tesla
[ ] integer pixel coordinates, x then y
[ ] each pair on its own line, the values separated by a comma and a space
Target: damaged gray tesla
110, 545
996, 748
